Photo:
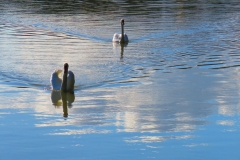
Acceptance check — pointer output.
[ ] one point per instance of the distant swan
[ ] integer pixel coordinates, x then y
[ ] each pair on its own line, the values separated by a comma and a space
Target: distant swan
66, 84
118, 37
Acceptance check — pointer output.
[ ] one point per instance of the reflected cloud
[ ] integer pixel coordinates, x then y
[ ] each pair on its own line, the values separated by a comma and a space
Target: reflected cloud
196, 145
226, 110
83, 131
226, 123
63, 99
150, 139
147, 110
141, 109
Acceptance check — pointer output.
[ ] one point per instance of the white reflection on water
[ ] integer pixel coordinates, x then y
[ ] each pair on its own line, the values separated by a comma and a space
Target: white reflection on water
150, 139
122, 109
196, 145
138, 108
83, 131
226, 122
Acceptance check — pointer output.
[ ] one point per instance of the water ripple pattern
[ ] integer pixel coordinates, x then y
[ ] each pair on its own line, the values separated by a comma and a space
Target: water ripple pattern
165, 37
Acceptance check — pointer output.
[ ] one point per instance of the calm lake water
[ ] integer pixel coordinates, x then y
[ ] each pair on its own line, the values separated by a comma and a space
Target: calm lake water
172, 92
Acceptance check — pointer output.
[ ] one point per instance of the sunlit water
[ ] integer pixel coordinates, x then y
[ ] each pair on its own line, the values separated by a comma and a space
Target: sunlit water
172, 92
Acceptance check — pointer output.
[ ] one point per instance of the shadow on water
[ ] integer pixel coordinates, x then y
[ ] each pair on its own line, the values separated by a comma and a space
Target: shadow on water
63, 99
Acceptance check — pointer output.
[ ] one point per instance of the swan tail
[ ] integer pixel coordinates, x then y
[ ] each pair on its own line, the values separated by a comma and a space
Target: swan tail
116, 37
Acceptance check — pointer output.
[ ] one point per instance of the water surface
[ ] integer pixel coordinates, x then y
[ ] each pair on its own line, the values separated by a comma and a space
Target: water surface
174, 88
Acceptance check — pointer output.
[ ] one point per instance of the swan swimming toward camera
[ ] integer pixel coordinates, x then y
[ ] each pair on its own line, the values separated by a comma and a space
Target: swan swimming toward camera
66, 84
118, 37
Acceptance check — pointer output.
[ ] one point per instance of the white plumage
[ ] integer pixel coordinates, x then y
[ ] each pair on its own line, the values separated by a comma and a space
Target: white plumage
117, 38
55, 80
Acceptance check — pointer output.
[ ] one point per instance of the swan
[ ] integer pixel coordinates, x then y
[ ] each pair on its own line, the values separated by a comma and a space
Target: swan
67, 83
118, 37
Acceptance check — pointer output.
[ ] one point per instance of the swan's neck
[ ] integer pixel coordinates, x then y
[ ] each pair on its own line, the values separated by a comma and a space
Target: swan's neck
122, 38
64, 82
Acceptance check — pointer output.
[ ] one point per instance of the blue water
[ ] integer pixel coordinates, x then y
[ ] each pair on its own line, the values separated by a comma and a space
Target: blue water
172, 92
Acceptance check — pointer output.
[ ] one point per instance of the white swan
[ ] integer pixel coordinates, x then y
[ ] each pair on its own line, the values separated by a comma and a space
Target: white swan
66, 84
118, 37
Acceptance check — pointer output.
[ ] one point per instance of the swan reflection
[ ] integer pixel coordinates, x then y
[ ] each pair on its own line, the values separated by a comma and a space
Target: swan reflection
64, 99
122, 45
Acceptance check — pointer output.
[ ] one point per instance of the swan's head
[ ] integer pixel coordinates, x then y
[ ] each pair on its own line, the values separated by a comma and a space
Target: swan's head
122, 21
66, 67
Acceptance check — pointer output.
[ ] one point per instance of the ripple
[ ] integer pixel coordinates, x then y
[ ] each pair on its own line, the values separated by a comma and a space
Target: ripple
225, 67
180, 66
159, 41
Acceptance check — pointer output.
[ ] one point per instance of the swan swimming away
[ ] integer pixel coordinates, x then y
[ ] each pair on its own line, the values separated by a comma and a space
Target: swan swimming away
66, 84
118, 37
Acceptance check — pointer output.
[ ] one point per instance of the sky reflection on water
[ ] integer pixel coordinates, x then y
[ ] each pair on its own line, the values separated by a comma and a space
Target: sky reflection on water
143, 108
153, 122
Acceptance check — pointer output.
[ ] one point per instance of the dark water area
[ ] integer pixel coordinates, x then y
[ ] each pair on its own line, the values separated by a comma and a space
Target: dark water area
172, 92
